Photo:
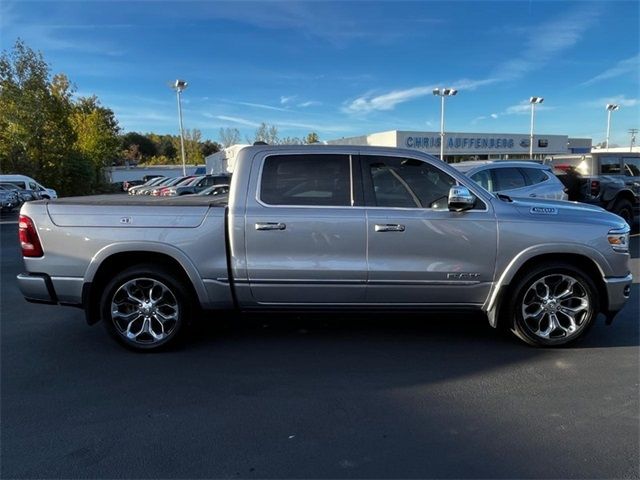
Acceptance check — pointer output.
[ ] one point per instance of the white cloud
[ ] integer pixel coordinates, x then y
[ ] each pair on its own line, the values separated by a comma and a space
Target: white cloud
543, 43
629, 65
309, 103
258, 105
494, 115
621, 100
284, 100
238, 120
387, 101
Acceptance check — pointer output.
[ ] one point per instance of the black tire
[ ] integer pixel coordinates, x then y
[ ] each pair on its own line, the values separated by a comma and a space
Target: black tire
524, 296
145, 281
624, 208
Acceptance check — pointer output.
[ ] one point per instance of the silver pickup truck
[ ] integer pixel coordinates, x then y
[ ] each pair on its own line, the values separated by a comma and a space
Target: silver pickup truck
309, 227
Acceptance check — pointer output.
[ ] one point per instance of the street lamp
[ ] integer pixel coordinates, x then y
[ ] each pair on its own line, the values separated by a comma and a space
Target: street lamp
611, 107
179, 87
533, 101
443, 92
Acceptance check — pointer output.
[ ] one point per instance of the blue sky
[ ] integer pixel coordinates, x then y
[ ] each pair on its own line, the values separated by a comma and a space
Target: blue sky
345, 68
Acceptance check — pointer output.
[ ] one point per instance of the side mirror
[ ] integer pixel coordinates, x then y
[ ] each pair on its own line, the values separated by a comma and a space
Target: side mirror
460, 198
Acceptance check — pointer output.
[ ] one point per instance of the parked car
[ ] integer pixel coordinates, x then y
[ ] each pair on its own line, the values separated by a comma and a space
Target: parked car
149, 183
197, 185
23, 195
9, 200
327, 226
155, 191
515, 178
127, 184
609, 180
28, 183
215, 190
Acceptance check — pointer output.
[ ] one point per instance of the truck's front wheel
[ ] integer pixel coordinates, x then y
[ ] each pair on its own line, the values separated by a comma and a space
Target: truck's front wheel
144, 307
552, 305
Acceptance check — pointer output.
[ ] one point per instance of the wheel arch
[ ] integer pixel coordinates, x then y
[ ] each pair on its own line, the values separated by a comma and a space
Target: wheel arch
592, 263
115, 258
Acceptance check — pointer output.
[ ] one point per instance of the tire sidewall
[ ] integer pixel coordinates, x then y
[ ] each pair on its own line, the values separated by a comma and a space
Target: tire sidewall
169, 279
518, 326
622, 206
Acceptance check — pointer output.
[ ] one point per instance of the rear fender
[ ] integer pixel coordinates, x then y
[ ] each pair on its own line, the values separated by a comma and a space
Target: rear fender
152, 247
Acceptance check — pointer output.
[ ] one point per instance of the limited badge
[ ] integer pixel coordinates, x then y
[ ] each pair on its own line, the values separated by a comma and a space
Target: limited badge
544, 210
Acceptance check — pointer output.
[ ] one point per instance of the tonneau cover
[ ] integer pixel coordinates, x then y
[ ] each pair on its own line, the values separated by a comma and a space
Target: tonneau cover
124, 211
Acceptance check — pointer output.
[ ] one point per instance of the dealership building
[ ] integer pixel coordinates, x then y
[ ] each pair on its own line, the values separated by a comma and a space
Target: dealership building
473, 146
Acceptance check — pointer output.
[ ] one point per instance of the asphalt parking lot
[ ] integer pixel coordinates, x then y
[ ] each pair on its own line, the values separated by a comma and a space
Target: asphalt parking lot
313, 396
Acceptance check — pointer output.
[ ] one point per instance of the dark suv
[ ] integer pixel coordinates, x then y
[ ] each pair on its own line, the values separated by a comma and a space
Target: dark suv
607, 179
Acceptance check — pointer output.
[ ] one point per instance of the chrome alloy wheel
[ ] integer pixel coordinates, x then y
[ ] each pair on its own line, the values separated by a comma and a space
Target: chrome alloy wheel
144, 311
556, 306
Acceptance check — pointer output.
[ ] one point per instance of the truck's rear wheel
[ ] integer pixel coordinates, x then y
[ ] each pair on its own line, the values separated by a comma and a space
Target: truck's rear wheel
624, 209
552, 305
144, 307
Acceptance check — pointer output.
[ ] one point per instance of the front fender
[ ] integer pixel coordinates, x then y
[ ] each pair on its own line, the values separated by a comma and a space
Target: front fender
492, 303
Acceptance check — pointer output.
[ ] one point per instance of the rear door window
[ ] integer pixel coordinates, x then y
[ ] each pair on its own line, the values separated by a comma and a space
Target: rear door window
484, 179
508, 178
610, 165
318, 180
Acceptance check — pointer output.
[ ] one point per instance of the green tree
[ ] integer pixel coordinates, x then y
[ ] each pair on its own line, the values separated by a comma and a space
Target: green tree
208, 147
96, 130
311, 138
146, 147
193, 154
36, 135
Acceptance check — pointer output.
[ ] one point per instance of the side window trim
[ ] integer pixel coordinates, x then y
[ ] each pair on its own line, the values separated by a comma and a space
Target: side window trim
263, 162
370, 201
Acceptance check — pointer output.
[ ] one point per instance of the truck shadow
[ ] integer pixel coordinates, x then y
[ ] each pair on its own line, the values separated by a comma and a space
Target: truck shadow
422, 330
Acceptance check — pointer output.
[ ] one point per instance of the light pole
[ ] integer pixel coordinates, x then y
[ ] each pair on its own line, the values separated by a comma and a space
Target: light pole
443, 92
533, 101
179, 87
611, 107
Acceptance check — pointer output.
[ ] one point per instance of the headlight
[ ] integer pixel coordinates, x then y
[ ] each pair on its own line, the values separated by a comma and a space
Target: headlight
619, 239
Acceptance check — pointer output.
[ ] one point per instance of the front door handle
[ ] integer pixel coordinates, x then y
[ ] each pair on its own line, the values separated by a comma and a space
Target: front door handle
271, 226
533, 195
389, 227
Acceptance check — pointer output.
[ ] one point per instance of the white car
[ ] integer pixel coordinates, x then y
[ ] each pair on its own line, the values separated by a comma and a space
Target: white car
28, 183
515, 178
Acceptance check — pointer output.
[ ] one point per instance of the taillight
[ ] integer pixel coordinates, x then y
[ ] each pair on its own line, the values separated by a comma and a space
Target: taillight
29, 241
595, 188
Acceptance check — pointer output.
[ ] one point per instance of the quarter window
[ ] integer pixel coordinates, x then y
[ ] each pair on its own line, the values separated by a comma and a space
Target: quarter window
321, 180
535, 175
405, 182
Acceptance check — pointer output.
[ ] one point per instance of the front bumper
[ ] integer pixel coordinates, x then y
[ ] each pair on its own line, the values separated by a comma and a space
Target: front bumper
618, 291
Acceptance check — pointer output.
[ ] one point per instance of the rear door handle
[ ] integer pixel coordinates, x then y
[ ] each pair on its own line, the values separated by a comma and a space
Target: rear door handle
533, 195
389, 227
271, 226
